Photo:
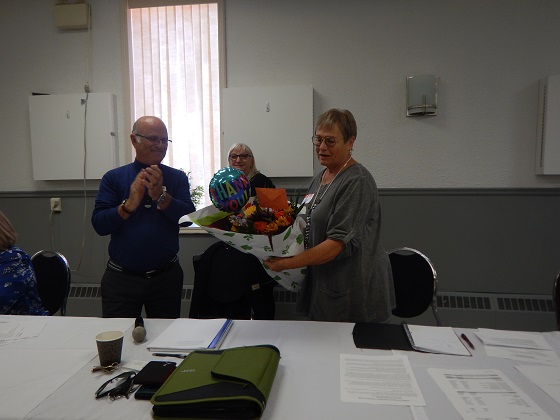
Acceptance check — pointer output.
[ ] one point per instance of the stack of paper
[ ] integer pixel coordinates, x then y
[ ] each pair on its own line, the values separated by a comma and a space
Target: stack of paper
186, 334
524, 346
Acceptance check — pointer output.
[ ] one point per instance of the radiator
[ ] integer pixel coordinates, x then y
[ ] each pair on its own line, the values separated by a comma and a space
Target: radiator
457, 309
497, 310
85, 300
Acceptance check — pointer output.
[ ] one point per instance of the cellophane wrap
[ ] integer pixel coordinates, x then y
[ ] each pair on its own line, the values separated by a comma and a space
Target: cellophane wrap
285, 244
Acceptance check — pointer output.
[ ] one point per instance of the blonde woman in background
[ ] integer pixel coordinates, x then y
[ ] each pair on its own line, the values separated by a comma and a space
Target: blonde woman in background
240, 156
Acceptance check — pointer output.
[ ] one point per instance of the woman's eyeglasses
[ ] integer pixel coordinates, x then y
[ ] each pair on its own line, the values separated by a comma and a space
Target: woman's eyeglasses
120, 386
329, 141
243, 156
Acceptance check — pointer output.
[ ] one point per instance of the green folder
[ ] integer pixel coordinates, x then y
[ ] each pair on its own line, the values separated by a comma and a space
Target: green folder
226, 384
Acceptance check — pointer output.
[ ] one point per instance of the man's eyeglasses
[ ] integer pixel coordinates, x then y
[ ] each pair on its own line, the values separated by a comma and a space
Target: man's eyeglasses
118, 387
329, 141
243, 156
153, 139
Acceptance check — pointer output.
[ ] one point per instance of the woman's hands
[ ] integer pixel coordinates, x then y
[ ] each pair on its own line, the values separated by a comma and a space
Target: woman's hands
278, 263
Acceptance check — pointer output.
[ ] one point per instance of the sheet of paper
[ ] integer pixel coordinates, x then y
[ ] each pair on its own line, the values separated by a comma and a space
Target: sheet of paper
546, 378
437, 340
522, 339
45, 371
378, 380
16, 328
55, 334
419, 413
186, 334
545, 357
485, 394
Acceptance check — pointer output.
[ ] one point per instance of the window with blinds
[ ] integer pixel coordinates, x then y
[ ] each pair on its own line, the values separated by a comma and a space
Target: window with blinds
175, 75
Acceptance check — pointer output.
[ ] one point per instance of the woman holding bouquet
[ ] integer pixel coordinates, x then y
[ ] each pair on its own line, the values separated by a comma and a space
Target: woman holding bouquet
349, 274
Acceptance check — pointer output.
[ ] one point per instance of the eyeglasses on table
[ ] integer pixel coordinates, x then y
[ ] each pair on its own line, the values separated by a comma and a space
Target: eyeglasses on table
117, 387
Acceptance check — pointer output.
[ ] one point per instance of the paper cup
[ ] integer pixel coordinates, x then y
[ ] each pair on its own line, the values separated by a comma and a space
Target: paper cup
109, 347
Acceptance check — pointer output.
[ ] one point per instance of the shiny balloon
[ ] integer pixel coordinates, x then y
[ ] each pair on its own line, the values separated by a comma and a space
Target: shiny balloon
229, 189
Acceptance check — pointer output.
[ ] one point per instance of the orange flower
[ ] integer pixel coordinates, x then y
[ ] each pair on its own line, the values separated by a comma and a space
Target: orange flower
253, 219
271, 227
260, 227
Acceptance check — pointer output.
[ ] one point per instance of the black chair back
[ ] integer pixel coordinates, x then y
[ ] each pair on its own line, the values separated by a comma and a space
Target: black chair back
415, 281
53, 280
556, 299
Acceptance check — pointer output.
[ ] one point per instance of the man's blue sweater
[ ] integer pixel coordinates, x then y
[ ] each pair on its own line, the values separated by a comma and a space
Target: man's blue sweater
149, 238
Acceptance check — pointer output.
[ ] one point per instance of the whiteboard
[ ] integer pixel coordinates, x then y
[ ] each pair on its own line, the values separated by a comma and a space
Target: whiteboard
57, 135
276, 123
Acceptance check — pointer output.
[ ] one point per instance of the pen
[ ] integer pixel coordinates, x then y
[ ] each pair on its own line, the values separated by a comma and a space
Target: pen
178, 355
464, 337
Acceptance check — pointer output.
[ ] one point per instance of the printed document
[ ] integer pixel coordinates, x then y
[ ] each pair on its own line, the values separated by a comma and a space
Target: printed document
15, 329
545, 357
378, 380
522, 339
486, 394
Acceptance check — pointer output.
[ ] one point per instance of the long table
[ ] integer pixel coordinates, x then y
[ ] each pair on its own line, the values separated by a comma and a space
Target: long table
50, 377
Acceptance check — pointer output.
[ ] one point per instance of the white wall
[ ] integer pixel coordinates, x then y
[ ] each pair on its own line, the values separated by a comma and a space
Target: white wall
38, 57
489, 56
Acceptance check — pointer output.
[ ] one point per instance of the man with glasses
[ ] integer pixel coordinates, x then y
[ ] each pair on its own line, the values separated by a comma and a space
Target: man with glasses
140, 205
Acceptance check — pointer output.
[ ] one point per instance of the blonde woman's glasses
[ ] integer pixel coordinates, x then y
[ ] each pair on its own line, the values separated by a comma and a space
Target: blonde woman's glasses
243, 156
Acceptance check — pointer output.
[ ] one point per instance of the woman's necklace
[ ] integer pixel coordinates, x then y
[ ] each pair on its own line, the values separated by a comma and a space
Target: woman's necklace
317, 199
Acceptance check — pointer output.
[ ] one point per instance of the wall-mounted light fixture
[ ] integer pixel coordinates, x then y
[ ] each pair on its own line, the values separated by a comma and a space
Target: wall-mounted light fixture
421, 95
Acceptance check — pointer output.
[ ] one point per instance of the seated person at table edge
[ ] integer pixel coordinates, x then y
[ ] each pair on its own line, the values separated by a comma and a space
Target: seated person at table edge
140, 205
18, 286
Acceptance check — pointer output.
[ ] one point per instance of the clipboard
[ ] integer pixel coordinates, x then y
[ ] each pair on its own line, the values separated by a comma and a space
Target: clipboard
369, 335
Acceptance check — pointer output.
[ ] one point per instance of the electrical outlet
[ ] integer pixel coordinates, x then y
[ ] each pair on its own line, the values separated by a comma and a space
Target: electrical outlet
56, 205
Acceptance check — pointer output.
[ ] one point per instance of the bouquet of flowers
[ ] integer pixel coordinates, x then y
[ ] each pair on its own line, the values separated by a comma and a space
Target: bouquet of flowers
266, 226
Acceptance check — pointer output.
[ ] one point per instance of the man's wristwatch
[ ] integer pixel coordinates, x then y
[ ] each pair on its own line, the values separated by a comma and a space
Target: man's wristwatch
162, 197
124, 208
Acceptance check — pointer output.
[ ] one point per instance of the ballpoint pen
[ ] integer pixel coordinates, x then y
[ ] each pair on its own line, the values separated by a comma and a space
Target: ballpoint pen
178, 355
464, 337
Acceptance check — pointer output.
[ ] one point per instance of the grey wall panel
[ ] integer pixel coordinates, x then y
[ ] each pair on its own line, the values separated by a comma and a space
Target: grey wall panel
492, 241
495, 241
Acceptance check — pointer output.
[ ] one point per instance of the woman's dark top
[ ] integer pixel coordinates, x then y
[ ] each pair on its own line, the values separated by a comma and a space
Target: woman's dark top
260, 181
